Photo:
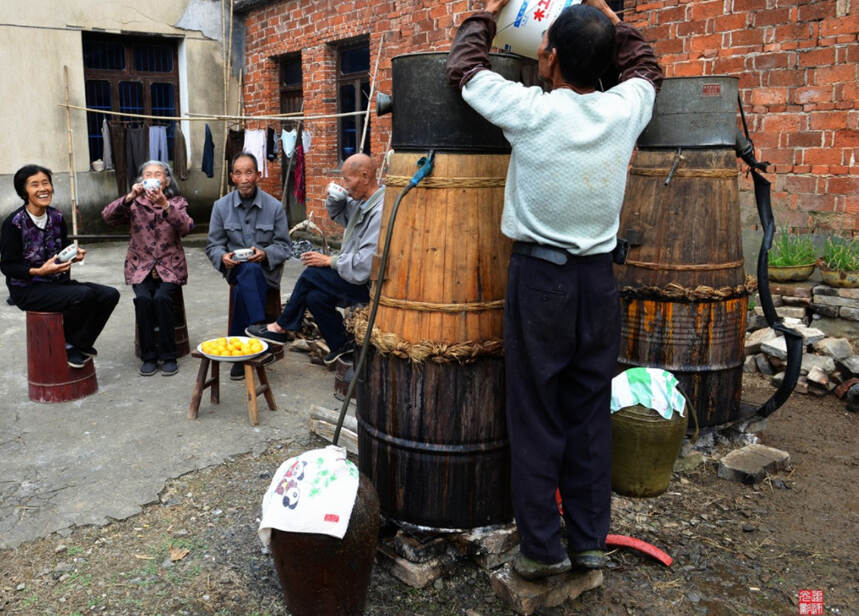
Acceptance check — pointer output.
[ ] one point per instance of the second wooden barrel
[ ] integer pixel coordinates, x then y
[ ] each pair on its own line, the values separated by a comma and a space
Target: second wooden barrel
431, 419
683, 287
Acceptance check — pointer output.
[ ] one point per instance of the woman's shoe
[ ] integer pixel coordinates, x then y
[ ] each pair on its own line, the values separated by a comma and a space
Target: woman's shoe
531, 569
169, 367
148, 368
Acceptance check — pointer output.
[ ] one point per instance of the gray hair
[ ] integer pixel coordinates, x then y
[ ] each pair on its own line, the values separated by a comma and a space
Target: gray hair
171, 190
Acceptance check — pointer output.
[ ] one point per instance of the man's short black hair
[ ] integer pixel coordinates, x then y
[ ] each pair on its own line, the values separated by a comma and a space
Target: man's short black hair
583, 38
245, 155
25, 173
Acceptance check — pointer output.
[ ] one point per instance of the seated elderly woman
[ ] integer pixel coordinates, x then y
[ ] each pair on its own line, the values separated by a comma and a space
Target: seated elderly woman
39, 278
155, 263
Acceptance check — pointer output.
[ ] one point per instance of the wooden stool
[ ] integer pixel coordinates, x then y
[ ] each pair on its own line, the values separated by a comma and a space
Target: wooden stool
272, 306
180, 327
253, 390
49, 376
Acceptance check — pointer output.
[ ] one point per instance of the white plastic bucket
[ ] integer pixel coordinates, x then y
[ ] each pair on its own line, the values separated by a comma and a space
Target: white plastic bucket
522, 22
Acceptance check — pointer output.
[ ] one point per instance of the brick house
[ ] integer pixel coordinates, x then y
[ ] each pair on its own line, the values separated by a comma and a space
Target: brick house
796, 61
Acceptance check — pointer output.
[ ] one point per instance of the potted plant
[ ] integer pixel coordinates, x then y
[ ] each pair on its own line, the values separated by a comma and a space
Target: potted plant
840, 263
791, 258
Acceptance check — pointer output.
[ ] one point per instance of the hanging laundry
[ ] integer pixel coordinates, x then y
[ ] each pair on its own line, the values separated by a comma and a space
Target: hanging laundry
136, 150
235, 144
305, 140
117, 145
270, 148
107, 155
208, 166
287, 141
255, 144
180, 154
298, 175
158, 143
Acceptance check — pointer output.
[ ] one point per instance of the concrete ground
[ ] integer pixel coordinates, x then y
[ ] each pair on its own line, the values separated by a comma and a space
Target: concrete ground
105, 456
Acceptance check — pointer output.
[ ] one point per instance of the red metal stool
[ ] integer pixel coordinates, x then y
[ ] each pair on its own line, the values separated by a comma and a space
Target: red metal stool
180, 327
272, 306
49, 376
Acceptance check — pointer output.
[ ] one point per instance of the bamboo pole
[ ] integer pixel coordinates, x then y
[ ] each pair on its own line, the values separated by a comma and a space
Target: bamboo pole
370, 98
72, 184
202, 117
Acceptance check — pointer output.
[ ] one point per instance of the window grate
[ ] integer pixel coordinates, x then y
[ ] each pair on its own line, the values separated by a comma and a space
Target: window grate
153, 58
162, 96
97, 97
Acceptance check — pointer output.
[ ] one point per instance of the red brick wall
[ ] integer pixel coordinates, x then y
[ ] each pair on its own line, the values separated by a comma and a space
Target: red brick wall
797, 66
310, 27
796, 61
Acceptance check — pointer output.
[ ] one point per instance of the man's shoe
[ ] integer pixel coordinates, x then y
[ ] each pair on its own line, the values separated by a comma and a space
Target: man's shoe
169, 367
261, 331
89, 351
335, 355
535, 570
237, 372
75, 358
148, 368
590, 559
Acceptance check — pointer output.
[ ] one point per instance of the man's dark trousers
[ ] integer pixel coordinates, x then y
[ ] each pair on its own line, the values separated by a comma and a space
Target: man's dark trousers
249, 292
321, 290
86, 306
561, 339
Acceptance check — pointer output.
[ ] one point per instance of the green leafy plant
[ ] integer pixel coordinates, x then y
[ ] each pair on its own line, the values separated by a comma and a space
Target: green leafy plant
841, 254
789, 249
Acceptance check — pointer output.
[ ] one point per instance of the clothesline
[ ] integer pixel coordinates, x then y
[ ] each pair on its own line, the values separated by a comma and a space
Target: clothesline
198, 117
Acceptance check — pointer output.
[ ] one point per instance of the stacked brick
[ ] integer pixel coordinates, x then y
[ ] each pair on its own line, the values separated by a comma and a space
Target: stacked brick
796, 61
827, 319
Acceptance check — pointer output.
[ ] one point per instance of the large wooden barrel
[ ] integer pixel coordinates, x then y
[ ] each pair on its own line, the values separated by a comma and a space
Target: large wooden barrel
682, 287
49, 377
431, 419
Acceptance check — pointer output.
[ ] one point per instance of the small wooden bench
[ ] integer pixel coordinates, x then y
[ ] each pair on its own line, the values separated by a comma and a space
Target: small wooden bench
253, 390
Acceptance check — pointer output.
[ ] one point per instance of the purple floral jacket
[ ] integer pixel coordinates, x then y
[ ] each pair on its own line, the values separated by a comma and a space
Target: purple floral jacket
156, 237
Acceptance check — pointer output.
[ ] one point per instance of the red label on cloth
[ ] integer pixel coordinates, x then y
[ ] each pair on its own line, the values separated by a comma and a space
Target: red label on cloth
331, 517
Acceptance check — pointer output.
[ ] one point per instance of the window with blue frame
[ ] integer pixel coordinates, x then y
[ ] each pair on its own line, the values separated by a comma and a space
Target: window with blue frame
353, 94
129, 75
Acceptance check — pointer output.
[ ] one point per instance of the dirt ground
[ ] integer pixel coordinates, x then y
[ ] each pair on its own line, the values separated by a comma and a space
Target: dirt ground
738, 549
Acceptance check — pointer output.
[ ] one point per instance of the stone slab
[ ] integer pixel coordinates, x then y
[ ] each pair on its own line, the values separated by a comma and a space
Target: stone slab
810, 335
785, 311
818, 376
750, 364
835, 300
416, 575
763, 366
851, 314
794, 289
826, 311
823, 289
526, 597
837, 348
851, 293
851, 364
777, 347
824, 363
796, 301
752, 463
838, 328
418, 549
752, 343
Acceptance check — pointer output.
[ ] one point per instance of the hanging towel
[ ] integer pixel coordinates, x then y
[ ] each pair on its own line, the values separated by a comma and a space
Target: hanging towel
180, 154
235, 143
158, 143
117, 145
136, 150
650, 387
305, 140
311, 493
298, 175
287, 141
255, 144
270, 148
107, 155
208, 154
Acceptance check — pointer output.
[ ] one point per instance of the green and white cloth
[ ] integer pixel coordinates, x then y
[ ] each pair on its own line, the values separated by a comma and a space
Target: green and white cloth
650, 387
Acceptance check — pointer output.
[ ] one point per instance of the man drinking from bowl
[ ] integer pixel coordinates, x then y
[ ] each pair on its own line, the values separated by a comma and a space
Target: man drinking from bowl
248, 243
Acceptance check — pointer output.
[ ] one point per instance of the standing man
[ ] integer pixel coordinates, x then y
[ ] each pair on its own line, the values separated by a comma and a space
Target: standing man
343, 279
248, 217
565, 186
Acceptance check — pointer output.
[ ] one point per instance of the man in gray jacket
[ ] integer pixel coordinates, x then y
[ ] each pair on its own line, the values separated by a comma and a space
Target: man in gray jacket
330, 281
248, 218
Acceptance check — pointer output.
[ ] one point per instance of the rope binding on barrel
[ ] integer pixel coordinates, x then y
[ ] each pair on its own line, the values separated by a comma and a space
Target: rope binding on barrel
673, 291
